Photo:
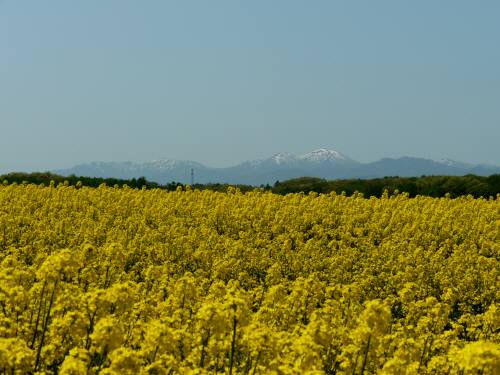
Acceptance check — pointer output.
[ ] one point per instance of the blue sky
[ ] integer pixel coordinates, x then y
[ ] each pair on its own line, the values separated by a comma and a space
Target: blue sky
226, 81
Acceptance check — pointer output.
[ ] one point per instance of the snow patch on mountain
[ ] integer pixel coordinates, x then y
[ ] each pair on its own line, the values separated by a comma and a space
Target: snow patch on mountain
283, 158
454, 163
323, 154
169, 164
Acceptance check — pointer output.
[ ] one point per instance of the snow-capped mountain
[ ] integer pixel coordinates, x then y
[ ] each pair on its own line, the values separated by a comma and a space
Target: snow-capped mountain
164, 170
319, 156
324, 163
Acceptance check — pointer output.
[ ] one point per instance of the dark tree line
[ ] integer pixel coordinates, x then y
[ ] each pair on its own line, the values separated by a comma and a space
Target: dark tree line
46, 178
434, 186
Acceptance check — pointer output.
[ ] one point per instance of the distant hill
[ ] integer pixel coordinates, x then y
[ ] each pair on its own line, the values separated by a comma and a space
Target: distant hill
321, 163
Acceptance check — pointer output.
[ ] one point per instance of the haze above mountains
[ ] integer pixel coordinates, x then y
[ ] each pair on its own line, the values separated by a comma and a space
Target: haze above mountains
324, 163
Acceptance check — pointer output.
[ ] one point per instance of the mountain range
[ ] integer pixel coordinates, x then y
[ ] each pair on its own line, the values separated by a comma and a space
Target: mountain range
323, 163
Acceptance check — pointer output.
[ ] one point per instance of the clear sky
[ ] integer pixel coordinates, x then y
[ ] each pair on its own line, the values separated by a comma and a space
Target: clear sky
226, 81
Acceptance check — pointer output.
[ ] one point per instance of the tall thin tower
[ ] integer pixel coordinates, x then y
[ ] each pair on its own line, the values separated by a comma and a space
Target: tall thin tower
192, 176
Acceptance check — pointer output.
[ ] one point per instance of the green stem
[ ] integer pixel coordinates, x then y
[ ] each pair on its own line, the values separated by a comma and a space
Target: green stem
233, 343
256, 362
45, 326
204, 344
366, 355
32, 346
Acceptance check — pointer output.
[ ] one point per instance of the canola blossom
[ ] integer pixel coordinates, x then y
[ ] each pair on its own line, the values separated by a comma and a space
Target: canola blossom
126, 281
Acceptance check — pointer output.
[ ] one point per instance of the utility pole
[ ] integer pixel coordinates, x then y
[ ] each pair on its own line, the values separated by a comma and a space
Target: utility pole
192, 177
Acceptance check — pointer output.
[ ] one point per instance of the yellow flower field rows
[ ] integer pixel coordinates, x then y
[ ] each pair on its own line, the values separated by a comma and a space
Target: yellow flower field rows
124, 281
